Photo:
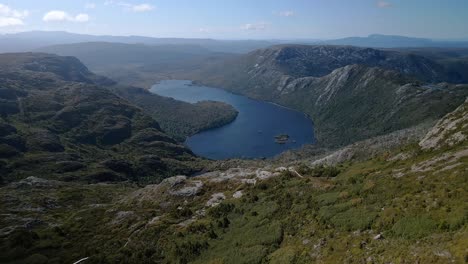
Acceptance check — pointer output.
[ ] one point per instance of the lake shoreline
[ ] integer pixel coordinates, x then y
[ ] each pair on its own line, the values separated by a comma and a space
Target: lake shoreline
200, 84
241, 137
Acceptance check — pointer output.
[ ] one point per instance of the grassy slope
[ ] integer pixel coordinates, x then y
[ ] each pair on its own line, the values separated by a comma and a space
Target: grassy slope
422, 216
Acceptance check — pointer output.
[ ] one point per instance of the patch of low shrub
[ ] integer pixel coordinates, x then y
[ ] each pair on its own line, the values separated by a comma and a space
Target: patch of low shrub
414, 227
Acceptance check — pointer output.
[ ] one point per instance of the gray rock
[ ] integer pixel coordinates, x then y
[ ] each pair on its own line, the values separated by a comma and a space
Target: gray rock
191, 188
215, 200
237, 195
450, 130
173, 181
35, 182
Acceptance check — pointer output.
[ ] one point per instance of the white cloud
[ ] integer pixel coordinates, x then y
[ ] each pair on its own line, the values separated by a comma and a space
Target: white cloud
142, 8
287, 13
383, 4
204, 30
82, 18
6, 11
90, 5
10, 21
254, 26
62, 16
11, 17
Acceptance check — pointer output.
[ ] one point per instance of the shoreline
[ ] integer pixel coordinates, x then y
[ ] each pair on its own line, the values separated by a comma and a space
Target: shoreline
297, 131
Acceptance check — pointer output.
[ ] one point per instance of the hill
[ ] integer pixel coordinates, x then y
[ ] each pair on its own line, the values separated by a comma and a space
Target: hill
393, 41
139, 65
350, 93
60, 121
404, 203
31, 40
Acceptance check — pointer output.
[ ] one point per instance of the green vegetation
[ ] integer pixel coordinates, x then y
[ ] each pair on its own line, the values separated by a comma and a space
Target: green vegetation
179, 119
350, 93
67, 128
63, 122
358, 211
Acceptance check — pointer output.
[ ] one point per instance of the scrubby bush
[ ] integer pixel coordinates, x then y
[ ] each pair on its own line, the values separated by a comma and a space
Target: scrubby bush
181, 212
319, 171
222, 209
414, 227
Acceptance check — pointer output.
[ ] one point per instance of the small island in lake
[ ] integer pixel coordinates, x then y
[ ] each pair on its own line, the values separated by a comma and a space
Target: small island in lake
282, 138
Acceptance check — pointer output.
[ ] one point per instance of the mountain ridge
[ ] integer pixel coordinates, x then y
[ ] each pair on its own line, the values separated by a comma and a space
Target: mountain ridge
392, 94
60, 119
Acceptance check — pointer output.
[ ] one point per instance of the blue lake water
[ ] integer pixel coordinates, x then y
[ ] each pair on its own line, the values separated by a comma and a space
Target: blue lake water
251, 134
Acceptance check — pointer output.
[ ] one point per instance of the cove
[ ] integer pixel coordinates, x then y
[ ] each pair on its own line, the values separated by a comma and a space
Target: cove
251, 134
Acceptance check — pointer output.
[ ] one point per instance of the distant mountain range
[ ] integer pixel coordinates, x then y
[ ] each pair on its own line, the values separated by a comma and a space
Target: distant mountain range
389, 41
28, 41
94, 171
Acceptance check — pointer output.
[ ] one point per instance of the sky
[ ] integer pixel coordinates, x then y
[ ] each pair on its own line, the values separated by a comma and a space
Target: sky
240, 19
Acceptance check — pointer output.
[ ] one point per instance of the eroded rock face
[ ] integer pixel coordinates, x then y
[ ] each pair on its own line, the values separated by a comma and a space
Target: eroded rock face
191, 188
336, 157
449, 131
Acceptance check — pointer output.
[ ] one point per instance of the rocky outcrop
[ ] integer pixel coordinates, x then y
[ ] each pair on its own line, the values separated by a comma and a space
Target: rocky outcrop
317, 61
350, 93
372, 147
449, 131
35, 182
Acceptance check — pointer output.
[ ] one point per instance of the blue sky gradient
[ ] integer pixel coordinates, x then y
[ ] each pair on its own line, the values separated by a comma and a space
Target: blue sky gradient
240, 19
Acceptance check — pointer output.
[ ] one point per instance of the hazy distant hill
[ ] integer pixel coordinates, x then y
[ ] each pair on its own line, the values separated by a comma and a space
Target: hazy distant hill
137, 64
27, 41
389, 41
96, 54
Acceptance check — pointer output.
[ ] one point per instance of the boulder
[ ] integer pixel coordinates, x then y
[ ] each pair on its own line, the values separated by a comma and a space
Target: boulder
237, 195
215, 199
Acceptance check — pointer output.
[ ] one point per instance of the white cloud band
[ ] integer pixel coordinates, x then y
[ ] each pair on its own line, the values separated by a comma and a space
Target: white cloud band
11, 17
61, 16
254, 26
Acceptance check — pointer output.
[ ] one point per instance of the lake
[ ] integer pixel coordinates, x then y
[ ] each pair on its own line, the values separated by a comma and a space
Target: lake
251, 134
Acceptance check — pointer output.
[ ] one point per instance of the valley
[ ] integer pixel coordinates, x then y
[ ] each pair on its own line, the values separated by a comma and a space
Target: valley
287, 153
255, 126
